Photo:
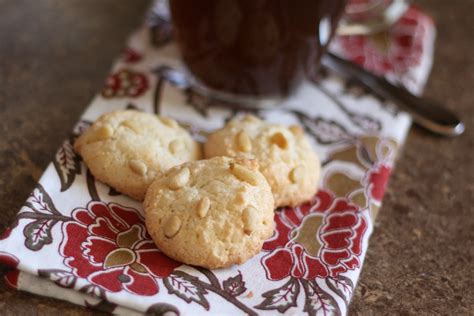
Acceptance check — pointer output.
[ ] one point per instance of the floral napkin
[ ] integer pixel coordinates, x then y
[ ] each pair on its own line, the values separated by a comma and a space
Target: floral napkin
78, 240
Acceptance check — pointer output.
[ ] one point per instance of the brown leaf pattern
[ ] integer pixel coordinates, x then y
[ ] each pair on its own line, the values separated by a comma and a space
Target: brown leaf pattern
317, 301
342, 286
282, 298
38, 234
186, 287
44, 214
63, 278
67, 164
234, 285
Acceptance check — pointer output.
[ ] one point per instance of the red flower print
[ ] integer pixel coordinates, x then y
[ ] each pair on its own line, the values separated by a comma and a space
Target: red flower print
394, 51
11, 277
378, 178
8, 259
125, 83
320, 238
131, 56
6, 233
107, 244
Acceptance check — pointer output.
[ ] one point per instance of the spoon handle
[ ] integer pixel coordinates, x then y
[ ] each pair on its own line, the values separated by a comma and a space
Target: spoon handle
426, 113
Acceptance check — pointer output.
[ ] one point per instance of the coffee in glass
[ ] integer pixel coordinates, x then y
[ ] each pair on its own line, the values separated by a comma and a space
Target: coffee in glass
253, 49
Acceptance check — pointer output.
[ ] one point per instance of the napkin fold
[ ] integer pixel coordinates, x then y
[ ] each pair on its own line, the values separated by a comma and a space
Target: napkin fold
67, 232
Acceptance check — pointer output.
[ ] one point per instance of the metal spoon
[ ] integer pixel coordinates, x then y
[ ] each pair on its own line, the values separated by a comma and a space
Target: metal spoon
426, 113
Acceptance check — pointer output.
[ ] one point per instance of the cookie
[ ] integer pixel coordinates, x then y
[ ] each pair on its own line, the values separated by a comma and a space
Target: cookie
285, 156
128, 149
210, 213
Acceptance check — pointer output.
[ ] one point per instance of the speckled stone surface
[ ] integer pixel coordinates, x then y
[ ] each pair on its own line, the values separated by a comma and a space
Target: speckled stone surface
55, 54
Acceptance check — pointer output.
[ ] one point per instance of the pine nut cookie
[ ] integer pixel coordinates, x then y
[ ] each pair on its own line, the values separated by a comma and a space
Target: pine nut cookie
128, 149
210, 213
285, 156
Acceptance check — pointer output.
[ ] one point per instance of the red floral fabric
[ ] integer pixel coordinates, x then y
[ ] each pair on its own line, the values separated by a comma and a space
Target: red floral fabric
11, 277
125, 83
6, 233
392, 52
107, 244
339, 238
99, 254
378, 178
9, 260
131, 56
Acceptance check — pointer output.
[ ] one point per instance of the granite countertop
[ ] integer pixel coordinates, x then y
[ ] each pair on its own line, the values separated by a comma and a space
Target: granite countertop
420, 260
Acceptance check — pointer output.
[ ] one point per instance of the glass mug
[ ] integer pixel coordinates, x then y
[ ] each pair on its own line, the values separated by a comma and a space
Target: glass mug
253, 52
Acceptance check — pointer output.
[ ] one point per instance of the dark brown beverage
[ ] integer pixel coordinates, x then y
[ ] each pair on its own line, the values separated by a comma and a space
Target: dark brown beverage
259, 48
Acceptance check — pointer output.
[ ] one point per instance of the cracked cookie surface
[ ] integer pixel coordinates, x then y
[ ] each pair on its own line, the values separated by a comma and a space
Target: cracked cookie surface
211, 213
128, 149
285, 156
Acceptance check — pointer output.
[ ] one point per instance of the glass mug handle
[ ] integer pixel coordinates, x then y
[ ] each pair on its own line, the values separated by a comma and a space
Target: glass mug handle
370, 16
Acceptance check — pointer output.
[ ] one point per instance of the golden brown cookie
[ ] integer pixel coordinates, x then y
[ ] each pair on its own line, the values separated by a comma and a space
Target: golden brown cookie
127, 149
211, 213
285, 156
